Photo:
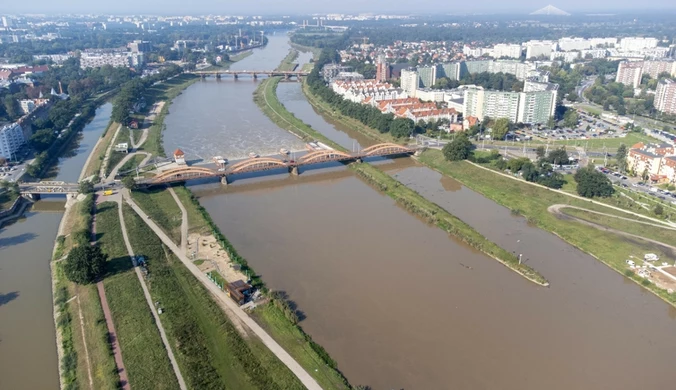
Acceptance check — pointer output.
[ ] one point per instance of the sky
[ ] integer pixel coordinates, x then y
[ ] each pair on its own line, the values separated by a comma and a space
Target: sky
291, 7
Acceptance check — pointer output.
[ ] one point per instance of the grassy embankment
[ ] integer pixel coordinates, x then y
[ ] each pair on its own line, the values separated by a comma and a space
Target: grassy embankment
532, 202
116, 157
143, 352
160, 205
165, 91
224, 65
74, 364
266, 98
288, 63
132, 163
208, 347
99, 152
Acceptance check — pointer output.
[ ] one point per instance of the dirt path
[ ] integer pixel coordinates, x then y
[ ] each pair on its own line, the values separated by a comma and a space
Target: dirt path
104, 164
556, 210
147, 122
84, 341
184, 221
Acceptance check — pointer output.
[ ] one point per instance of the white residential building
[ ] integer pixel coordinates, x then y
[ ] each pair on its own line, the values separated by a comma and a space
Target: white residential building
629, 73
505, 50
539, 48
594, 53
636, 43
117, 60
665, 96
535, 105
11, 139
565, 56
409, 81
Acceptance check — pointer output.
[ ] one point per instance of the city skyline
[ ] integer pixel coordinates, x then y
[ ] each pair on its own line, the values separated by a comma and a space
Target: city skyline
268, 7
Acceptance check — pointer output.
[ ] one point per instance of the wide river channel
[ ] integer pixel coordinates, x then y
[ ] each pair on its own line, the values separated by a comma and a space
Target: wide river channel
399, 303
27, 336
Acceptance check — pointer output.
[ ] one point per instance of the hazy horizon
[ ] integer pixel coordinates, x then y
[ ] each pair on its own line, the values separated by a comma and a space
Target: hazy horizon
304, 7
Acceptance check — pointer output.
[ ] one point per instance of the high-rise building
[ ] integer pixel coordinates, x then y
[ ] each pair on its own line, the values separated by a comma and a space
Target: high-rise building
11, 139
539, 48
451, 70
665, 96
505, 50
409, 81
654, 68
537, 102
382, 69
427, 75
629, 73
139, 46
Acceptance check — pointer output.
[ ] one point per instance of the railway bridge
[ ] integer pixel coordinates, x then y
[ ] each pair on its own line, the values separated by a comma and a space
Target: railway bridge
262, 164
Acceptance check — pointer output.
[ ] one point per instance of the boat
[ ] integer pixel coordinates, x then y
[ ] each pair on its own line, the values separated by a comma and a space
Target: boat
253, 155
284, 151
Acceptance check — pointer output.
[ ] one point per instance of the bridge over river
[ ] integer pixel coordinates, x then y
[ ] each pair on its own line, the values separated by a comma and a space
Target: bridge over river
252, 73
257, 164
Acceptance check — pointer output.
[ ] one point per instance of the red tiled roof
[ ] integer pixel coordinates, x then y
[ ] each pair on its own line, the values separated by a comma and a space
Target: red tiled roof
178, 152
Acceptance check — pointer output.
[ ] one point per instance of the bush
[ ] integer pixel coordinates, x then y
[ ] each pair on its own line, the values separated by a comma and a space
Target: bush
458, 149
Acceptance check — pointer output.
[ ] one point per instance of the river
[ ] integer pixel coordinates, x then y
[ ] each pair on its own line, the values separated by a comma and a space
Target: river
400, 304
27, 337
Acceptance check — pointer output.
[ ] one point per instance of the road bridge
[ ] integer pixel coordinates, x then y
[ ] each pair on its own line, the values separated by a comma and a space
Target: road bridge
262, 164
251, 73
48, 187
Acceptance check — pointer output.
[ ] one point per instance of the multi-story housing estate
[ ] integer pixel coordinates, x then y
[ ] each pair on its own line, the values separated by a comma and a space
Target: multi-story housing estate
629, 73
360, 90
427, 76
572, 44
665, 96
565, 56
654, 68
637, 43
11, 139
536, 104
117, 60
330, 71
535, 49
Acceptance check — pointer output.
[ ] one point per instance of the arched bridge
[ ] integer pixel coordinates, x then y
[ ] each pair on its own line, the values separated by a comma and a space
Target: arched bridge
261, 164
253, 73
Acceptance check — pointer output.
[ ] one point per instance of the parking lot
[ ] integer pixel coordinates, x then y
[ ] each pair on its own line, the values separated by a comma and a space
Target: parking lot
588, 128
636, 185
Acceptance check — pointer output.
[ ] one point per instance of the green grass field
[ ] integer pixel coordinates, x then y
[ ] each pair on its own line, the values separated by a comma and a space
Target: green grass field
161, 207
209, 349
143, 352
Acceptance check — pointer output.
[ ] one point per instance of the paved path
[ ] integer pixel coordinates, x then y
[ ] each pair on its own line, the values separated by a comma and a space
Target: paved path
305, 378
184, 221
126, 158
112, 336
149, 299
147, 122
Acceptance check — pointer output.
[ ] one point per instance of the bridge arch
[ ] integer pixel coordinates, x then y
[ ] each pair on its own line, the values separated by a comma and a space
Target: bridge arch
323, 156
256, 164
385, 149
182, 174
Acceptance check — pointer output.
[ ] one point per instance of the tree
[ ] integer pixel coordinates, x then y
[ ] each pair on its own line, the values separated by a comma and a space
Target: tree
570, 118
85, 264
592, 183
500, 128
551, 122
458, 149
621, 157
659, 210
86, 187
42, 140
401, 127
129, 182
558, 156
540, 152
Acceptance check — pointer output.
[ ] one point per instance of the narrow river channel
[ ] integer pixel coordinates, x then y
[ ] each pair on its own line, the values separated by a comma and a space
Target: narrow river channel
27, 336
400, 304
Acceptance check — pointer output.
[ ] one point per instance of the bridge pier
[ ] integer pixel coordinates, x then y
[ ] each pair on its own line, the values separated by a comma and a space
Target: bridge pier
224, 180
235, 76
218, 76
294, 170
287, 77
203, 76
33, 197
255, 76
359, 160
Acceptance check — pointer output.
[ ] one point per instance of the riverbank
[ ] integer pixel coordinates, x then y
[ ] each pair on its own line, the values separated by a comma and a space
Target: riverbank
266, 98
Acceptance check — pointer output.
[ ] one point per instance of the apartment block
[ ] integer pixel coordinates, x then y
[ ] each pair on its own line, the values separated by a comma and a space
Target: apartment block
539, 48
536, 104
654, 68
629, 73
665, 96
505, 50
11, 139
409, 81
637, 43
427, 76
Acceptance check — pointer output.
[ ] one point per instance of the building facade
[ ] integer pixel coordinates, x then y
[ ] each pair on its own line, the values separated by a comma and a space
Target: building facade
665, 96
11, 139
535, 105
409, 81
427, 76
382, 69
505, 50
637, 43
629, 73
535, 49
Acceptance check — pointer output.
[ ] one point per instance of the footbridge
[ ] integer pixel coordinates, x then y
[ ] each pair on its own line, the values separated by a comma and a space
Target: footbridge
262, 164
34, 190
250, 73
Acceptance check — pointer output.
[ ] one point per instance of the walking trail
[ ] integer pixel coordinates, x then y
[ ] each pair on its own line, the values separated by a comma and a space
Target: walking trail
147, 122
128, 157
308, 381
149, 300
104, 164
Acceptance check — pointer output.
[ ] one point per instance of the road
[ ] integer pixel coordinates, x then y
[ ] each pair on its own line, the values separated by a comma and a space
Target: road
149, 299
305, 378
